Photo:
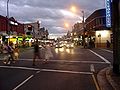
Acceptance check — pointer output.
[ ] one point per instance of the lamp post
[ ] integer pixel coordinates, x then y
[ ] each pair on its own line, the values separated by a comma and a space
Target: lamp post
8, 29
74, 9
83, 29
67, 27
7, 9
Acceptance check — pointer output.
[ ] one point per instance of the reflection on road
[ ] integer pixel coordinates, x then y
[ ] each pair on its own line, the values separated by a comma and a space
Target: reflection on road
64, 50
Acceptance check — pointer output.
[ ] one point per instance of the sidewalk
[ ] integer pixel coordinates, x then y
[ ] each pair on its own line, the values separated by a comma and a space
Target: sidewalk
108, 80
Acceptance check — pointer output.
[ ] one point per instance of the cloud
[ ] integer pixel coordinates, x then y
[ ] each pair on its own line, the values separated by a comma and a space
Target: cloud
58, 30
51, 13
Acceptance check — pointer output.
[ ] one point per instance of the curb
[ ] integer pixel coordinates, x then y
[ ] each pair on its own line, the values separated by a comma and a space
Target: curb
105, 80
110, 80
102, 81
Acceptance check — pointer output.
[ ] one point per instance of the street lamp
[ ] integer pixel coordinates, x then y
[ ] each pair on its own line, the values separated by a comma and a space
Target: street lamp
73, 9
83, 29
66, 25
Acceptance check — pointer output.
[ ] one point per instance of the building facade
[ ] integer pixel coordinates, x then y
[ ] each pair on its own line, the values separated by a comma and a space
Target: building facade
10, 28
14, 26
35, 30
3, 25
32, 29
96, 28
77, 33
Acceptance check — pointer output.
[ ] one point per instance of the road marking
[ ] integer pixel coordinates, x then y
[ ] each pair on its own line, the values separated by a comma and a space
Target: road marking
95, 81
107, 50
64, 71
76, 61
24, 68
47, 70
38, 72
69, 61
100, 57
23, 82
92, 69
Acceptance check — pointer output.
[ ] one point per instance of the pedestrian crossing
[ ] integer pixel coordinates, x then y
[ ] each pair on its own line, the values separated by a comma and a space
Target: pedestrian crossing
47, 70
66, 61
69, 61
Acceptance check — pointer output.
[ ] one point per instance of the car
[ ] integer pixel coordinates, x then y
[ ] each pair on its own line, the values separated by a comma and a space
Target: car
69, 45
58, 45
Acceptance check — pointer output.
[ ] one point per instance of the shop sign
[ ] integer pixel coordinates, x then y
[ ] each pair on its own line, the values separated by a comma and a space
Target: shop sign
108, 13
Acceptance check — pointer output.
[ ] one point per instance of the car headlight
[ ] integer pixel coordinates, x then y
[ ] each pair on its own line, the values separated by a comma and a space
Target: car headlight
72, 45
68, 45
61, 45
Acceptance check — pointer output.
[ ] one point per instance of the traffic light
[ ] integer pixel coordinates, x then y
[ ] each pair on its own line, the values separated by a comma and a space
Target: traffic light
30, 27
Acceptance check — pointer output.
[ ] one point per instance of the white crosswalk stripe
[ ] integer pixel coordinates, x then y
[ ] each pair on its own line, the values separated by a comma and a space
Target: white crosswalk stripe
47, 70
67, 61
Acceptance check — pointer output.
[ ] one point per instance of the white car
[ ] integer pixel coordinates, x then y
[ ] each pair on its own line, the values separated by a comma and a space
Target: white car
58, 45
69, 45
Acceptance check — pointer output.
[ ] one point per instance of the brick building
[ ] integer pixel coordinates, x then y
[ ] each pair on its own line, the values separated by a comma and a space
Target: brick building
3, 24
14, 26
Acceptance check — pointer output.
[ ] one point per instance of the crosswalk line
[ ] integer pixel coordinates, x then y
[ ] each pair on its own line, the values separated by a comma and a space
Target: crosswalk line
68, 61
48, 70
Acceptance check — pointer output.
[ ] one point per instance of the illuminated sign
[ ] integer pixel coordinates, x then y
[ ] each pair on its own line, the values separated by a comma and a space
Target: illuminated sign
108, 13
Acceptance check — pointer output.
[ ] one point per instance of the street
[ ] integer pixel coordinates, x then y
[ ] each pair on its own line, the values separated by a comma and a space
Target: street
69, 69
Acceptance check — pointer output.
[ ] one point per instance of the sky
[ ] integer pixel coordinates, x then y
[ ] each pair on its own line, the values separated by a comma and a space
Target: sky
52, 14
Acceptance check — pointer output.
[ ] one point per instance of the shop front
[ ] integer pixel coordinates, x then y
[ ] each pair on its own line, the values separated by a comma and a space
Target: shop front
101, 38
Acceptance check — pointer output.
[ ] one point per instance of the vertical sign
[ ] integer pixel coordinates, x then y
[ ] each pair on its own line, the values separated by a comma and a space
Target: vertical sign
108, 13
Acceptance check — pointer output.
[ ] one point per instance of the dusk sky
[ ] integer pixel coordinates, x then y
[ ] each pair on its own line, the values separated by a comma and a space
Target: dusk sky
51, 13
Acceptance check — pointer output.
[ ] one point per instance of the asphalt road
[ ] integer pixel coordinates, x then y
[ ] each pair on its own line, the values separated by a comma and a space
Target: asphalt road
69, 69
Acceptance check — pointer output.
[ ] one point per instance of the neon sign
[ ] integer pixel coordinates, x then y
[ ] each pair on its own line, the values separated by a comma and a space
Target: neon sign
108, 13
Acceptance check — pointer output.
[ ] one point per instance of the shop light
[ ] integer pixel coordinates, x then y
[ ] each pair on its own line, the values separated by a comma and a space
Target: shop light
103, 33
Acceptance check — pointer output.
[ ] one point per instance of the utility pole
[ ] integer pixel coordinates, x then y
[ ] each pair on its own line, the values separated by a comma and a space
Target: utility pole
116, 35
83, 30
8, 28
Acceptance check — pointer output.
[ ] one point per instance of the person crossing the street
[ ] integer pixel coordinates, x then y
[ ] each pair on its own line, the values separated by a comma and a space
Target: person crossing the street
36, 52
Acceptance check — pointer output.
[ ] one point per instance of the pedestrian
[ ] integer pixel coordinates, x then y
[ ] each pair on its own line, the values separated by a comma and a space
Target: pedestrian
1, 48
48, 52
11, 51
90, 44
16, 52
8, 51
36, 52
107, 44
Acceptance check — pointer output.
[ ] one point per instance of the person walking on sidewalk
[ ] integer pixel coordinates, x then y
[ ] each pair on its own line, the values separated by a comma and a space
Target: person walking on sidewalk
36, 52
107, 44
